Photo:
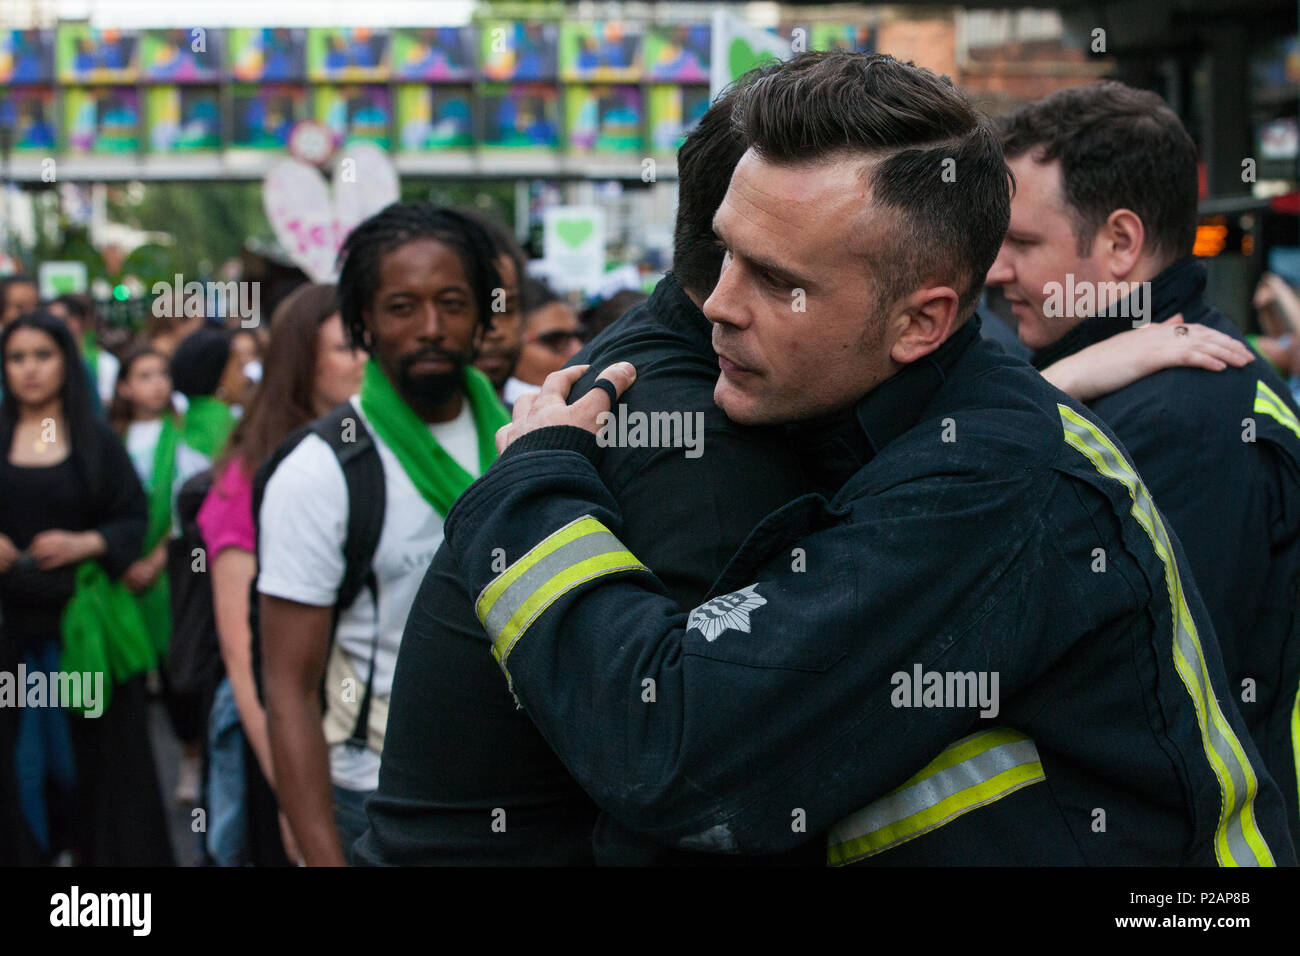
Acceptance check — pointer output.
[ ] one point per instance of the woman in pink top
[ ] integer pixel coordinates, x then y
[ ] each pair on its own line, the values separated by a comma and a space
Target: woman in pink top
310, 368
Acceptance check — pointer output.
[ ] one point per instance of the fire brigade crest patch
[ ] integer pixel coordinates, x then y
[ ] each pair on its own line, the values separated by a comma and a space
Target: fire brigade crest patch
728, 612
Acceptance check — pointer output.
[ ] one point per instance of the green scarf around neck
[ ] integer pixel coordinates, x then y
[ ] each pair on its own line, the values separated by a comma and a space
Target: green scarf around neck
435, 474
208, 422
155, 603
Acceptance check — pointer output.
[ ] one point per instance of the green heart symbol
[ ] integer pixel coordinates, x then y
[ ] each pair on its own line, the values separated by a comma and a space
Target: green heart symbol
741, 57
574, 232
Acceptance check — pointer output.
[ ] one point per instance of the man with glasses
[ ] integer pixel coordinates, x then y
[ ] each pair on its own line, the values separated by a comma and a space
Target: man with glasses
552, 336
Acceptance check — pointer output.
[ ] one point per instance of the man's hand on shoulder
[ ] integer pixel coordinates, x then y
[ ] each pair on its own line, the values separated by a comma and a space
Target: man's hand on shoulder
549, 407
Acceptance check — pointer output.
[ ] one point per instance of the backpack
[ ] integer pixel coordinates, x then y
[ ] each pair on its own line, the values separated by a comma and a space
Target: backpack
193, 667
364, 474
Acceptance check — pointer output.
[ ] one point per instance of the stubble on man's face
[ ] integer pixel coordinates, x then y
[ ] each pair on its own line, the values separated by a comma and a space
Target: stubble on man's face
797, 326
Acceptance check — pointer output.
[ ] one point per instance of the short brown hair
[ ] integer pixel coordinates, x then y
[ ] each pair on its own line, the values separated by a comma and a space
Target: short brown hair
933, 159
1119, 148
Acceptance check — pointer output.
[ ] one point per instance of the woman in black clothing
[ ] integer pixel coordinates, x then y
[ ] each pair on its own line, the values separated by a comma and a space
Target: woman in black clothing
68, 493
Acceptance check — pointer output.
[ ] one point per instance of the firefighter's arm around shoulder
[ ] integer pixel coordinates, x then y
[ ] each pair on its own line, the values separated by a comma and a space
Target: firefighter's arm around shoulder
713, 730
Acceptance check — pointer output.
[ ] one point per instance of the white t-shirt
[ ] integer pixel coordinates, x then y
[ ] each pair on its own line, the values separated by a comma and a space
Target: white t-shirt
302, 526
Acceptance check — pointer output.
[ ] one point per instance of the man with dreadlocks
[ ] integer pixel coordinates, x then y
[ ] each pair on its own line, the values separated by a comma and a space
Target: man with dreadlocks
351, 509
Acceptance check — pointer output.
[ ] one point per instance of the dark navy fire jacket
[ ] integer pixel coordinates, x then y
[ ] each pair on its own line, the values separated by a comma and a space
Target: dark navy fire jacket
1220, 454
986, 647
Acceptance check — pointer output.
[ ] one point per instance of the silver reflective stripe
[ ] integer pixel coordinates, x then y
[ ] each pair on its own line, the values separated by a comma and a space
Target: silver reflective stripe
1237, 832
973, 772
936, 789
526, 585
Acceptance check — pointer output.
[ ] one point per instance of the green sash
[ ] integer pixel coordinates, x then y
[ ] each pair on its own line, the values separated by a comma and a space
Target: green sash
155, 603
435, 474
103, 630
208, 422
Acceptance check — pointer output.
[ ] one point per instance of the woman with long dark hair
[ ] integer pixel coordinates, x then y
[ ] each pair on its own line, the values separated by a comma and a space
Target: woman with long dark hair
310, 367
72, 515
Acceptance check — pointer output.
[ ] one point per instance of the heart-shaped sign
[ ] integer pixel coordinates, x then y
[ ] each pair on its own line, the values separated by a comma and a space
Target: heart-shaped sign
741, 57
308, 222
574, 232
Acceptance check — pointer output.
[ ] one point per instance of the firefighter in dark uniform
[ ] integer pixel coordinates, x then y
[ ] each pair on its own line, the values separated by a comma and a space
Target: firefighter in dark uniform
457, 750
984, 647
1219, 451
1109, 739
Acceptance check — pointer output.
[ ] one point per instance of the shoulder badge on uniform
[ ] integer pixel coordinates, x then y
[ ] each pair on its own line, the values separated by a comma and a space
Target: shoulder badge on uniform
728, 612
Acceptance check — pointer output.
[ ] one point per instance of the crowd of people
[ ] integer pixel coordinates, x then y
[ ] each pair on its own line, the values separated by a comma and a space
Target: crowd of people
379, 644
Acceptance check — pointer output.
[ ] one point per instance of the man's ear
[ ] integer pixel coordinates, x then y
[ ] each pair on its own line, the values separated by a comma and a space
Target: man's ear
927, 318
1120, 242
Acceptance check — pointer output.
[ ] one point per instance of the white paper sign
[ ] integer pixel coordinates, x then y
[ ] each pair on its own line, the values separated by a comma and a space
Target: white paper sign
59, 278
573, 244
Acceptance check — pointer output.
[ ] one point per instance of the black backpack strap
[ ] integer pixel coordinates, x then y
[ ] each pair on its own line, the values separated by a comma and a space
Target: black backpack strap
353, 445
342, 429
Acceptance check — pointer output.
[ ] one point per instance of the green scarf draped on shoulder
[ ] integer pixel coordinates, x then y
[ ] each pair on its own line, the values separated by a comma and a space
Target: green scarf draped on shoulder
208, 421
155, 602
435, 474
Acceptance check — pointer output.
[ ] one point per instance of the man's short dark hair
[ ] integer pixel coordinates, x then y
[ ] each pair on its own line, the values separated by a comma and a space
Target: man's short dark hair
705, 163
395, 226
601, 314
932, 159
537, 293
503, 241
1119, 148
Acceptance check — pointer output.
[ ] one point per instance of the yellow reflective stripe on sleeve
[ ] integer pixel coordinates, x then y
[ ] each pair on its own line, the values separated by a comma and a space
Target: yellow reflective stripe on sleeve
574, 529
971, 773
580, 551
1295, 738
1237, 840
1268, 402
